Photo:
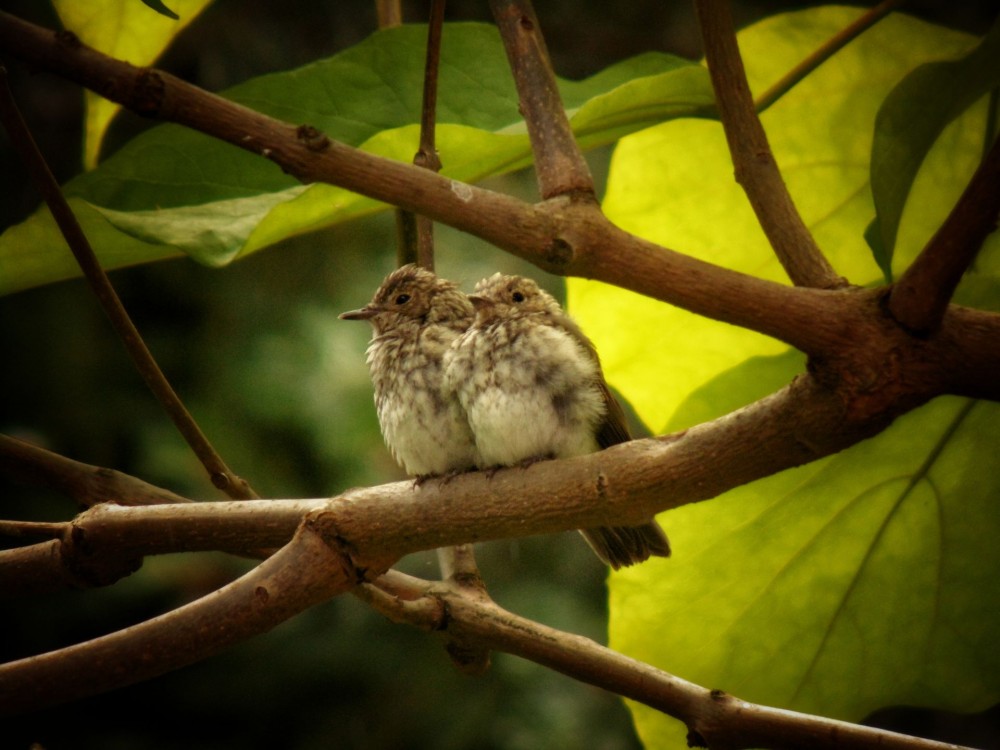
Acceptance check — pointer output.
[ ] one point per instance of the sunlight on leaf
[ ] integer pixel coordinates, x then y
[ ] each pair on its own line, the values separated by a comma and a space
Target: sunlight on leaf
836, 588
673, 184
128, 31
160, 8
197, 230
910, 121
640, 102
35, 252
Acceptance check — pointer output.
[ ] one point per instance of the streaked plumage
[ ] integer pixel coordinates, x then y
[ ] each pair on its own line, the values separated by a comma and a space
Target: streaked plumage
416, 316
532, 388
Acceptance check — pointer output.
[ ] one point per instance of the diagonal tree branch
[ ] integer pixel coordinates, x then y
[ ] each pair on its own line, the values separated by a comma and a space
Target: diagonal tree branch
921, 296
306, 571
24, 144
827, 50
87, 484
559, 163
559, 235
714, 719
756, 169
622, 485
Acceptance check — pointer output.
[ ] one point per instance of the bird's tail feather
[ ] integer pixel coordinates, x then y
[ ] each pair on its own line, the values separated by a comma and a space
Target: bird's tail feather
621, 546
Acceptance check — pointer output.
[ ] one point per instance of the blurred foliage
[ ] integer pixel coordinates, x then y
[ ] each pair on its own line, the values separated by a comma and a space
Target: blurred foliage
280, 387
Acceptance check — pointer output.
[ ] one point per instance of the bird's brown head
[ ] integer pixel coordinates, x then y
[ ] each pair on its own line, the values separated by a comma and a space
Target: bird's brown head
504, 296
412, 294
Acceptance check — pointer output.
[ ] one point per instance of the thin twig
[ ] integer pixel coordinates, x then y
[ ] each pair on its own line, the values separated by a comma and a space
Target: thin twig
47, 185
713, 718
824, 52
415, 240
427, 155
559, 163
756, 170
87, 484
33, 529
458, 563
389, 13
460, 571
921, 296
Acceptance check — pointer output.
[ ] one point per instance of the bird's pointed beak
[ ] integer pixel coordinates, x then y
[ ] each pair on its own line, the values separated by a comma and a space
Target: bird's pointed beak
486, 309
365, 313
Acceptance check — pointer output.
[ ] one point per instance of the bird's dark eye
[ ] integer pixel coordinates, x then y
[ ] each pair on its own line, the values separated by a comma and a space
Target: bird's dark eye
517, 297
402, 299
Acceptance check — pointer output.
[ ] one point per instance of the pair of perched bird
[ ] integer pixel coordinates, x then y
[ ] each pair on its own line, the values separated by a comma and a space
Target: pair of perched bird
501, 377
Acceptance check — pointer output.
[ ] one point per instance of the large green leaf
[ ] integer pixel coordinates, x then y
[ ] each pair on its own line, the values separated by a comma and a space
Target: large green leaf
853, 583
857, 581
129, 31
673, 184
908, 124
139, 205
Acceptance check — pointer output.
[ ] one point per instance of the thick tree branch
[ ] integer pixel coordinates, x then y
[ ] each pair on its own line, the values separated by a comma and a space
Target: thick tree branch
714, 719
828, 325
220, 474
311, 569
559, 164
47, 567
625, 484
756, 169
306, 571
805, 421
921, 296
560, 235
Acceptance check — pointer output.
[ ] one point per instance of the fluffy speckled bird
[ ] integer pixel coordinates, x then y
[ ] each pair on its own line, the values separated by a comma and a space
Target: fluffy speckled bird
416, 316
532, 388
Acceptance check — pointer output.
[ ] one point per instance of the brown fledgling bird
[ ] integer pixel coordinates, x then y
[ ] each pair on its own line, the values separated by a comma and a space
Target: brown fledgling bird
416, 316
532, 388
